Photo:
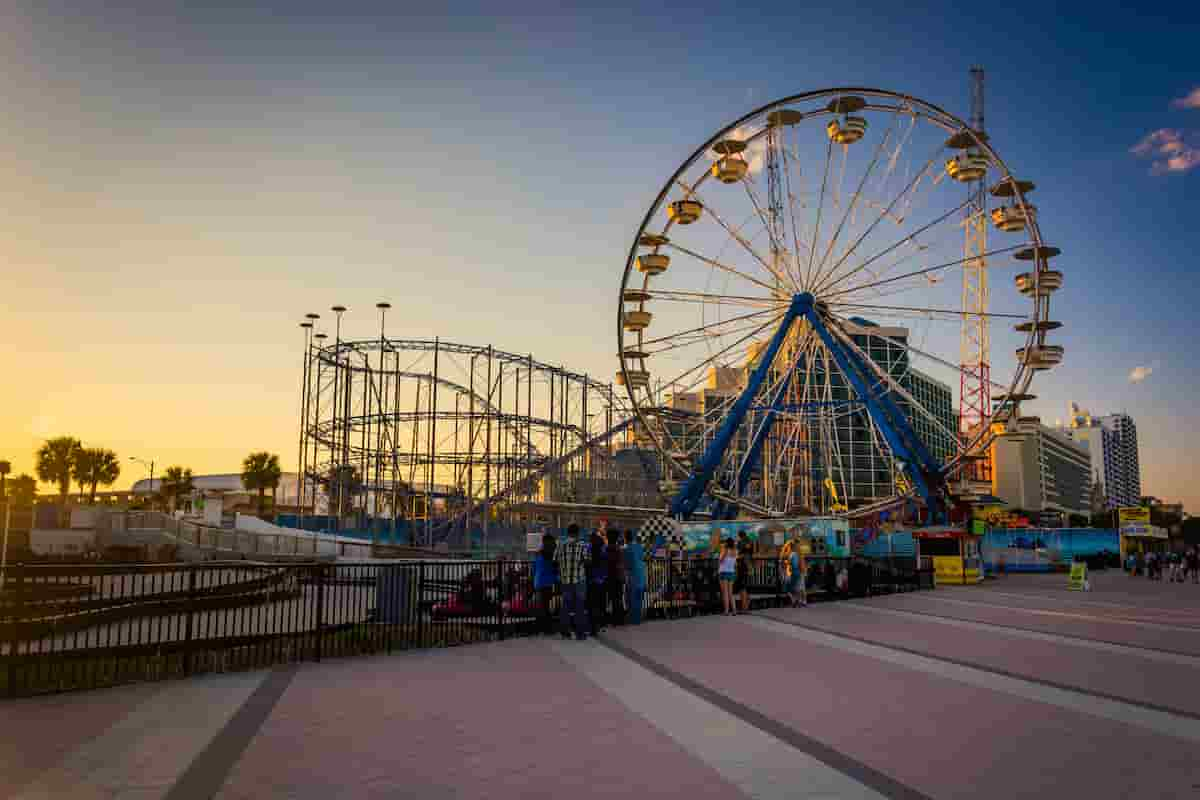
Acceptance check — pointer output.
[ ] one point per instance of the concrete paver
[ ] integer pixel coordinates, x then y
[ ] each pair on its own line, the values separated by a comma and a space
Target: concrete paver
1123, 675
960, 606
497, 720
943, 738
746, 707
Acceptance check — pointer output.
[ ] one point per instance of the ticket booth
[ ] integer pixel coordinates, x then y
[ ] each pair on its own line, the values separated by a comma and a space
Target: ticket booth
954, 552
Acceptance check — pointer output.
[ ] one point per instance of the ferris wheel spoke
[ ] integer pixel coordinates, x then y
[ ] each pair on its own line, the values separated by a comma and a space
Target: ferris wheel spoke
927, 270
953, 312
719, 265
706, 298
887, 210
817, 278
918, 249
762, 214
723, 351
911, 237
799, 234
820, 208
699, 332
735, 234
956, 368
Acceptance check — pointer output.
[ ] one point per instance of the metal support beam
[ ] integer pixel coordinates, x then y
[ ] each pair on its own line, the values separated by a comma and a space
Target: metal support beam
685, 502
889, 419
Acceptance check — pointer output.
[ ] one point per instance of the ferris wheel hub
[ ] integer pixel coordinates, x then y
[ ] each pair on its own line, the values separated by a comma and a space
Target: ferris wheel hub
803, 302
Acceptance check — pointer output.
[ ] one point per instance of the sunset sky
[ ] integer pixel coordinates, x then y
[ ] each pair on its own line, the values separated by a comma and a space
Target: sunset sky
182, 184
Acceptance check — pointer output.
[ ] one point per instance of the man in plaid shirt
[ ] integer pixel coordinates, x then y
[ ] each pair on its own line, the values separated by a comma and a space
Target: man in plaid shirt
571, 558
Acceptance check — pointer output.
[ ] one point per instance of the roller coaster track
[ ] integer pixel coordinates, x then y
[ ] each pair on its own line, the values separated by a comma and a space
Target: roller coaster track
530, 481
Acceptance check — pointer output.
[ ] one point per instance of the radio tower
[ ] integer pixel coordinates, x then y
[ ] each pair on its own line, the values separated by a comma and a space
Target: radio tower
975, 390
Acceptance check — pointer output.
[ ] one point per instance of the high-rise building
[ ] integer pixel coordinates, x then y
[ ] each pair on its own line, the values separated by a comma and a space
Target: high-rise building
1037, 468
1113, 447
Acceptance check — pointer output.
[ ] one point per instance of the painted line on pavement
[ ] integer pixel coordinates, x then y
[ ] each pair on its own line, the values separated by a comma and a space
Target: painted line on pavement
1103, 645
760, 755
1073, 597
1170, 722
208, 772
145, 752
1071, 615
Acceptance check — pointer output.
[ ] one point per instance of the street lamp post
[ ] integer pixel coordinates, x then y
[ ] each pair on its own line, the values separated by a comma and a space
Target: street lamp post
307, 325
149, 464
337, 458
4, 544
382, 397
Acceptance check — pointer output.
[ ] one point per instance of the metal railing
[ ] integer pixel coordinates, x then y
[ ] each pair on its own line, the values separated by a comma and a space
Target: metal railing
68, 627
230, 540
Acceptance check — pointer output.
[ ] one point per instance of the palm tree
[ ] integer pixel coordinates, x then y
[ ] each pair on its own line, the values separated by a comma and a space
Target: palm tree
96, 466
55, 463
176, 481
344, 484
81, 468
22, 490
260, 471
5, 468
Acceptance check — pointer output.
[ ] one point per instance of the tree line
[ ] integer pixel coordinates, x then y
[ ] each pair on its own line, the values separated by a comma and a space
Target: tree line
64, 461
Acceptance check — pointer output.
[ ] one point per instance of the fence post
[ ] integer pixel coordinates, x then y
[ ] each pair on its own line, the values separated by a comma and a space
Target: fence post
420, 600
188, 627
16, 617
500, 600
320, 608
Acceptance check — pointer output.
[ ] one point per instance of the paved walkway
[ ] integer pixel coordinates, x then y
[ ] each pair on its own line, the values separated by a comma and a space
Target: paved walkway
1016, 688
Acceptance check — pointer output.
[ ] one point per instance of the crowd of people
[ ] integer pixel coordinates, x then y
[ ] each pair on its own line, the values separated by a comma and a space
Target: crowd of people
1174, 567
602, 581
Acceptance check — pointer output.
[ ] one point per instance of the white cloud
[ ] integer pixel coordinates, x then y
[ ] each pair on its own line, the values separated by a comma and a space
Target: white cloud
1139, 374
1170, 150
1189, 100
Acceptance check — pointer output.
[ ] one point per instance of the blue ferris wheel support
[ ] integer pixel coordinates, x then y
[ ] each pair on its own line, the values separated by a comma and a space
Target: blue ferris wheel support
726, 510
893, 423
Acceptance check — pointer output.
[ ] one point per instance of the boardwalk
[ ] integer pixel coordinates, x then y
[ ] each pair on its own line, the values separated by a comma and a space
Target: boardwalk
1013, 689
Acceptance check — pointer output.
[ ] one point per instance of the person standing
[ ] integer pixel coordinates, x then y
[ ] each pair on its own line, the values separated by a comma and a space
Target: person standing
545, 578
571, 560
616, 578
726, 575
635, 577
798, 568
1193, 564
597, 572
741, 582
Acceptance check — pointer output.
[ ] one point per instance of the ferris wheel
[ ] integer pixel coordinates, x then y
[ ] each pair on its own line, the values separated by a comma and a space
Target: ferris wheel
790, 310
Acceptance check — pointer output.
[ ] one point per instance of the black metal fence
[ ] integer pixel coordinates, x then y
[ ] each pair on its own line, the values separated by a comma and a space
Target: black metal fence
77, 626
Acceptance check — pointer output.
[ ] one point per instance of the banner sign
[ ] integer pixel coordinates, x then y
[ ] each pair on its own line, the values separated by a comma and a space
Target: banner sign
1133, 515
828, 536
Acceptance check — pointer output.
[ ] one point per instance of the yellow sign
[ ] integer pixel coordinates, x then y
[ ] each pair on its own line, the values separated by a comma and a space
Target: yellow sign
1128, 515
948, 569
1078, 581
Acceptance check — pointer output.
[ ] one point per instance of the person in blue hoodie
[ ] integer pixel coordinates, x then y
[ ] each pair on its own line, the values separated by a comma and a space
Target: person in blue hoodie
635, 577
545, 580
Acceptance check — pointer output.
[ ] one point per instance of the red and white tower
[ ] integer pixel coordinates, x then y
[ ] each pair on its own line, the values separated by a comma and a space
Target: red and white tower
975, 396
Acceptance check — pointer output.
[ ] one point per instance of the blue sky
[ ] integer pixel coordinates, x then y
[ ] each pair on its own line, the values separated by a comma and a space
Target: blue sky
183, 184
